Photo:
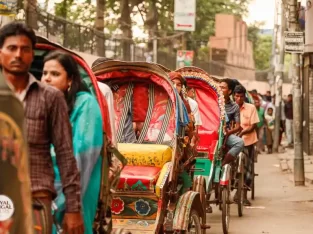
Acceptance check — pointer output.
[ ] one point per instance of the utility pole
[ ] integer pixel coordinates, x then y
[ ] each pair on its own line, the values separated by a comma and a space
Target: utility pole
273, 60
299, 178
279, 77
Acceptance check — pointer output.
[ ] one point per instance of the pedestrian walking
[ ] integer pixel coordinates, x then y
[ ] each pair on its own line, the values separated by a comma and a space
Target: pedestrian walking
47, 122
260, 126
289, 120
270, 125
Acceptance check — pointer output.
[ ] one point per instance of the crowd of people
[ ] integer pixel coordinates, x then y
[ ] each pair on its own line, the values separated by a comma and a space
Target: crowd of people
265, 105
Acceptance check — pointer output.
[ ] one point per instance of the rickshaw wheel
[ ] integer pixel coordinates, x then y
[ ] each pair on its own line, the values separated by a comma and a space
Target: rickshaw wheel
194, 226
225, 209
240, 192
199, 186
253, 183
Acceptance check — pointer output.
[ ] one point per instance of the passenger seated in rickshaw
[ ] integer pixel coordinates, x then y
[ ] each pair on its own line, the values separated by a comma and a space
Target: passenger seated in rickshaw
189, 151
234, 143
179, 84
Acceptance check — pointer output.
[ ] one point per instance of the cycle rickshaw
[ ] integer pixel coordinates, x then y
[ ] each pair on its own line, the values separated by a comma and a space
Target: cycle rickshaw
249, 99
150, 123
218, 180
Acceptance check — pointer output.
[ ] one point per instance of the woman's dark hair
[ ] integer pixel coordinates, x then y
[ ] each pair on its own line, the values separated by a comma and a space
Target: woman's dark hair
17, 29
71, 68
239, 89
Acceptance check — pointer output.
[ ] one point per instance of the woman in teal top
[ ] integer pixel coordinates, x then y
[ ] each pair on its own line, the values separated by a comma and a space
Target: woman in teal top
61, 71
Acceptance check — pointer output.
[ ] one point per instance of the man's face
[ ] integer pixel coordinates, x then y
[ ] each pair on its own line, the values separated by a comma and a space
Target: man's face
16, 54
257, 103
239, 98
225, 89
178, 85
289, 98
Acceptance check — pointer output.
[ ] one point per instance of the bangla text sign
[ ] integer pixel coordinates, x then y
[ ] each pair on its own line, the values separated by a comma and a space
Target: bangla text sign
185, 15
294, 42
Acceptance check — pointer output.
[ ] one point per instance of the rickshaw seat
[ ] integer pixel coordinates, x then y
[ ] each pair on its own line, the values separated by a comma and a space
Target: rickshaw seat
138, 178
144, 164
208, 141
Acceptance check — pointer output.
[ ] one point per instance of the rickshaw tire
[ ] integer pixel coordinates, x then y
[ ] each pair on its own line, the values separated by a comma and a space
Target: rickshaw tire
225, 209
199, 185
240, 192
197, 220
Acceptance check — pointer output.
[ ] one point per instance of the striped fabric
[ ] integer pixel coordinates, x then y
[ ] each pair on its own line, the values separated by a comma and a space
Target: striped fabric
233, 112
149, 114
165, 123
127, 104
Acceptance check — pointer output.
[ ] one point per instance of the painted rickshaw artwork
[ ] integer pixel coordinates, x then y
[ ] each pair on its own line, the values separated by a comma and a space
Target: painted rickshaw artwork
150, 122
102, 222
217, 180
15, 191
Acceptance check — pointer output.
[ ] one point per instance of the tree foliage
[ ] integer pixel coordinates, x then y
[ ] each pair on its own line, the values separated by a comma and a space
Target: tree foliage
262, 46
262, 52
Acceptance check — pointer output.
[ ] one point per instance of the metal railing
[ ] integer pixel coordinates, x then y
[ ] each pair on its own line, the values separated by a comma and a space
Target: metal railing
86, 39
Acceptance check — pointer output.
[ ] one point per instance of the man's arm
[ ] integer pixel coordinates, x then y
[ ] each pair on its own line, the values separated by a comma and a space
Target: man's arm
248, 130
236, 128
61, 136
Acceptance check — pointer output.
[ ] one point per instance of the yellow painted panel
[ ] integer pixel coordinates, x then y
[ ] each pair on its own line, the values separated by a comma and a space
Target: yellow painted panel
145, 154
162, 178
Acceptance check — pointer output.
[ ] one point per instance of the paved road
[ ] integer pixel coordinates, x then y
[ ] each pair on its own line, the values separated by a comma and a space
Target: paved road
279, 208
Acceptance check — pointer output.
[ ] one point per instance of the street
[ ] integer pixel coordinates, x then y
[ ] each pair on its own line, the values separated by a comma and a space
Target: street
279, 208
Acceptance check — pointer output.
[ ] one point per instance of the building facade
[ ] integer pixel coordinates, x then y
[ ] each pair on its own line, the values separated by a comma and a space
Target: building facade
231, 46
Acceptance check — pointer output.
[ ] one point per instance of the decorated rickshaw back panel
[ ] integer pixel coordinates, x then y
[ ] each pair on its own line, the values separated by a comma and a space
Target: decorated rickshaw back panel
208, 103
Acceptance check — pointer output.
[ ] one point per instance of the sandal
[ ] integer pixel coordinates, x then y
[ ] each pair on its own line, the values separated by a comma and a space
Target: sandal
246, 202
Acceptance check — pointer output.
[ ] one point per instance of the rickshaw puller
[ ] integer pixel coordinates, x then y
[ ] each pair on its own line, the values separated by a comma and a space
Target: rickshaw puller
234, 143
248, 122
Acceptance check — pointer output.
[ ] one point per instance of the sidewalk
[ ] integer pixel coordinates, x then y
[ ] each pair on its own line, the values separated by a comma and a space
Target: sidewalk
286, 164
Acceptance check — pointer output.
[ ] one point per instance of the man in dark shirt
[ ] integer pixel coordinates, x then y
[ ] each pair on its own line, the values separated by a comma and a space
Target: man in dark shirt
289, 120
234, 143
47, 122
